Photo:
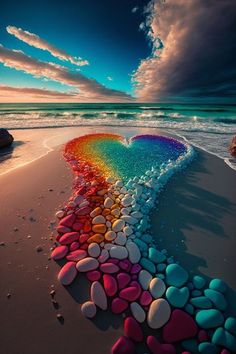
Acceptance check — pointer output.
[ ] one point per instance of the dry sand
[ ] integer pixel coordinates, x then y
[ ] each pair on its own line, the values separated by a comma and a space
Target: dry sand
196, 222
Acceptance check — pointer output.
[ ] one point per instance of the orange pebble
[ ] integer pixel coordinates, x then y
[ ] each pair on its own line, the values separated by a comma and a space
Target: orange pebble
109, 217
98, 238
114, 206
106, 212
99, 228
95, 212
102, 192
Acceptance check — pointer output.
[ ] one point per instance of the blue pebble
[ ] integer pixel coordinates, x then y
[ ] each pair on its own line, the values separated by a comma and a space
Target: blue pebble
177, 297
199, 282
201, 302
224, 338
230, 325
148, 265
211, 318
189, 308
155, 255
207, 348
176, 275
216, 298
218, 285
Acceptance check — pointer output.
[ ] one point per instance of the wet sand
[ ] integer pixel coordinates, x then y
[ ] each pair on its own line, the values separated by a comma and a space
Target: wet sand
195, 222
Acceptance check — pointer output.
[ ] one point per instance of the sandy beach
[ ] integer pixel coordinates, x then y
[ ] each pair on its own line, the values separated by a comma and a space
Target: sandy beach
194, 221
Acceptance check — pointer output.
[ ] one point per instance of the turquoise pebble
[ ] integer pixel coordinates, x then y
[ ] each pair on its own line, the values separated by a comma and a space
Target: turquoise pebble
216, 298
190, 286
170, 260
218, 285
148, 265
189, 308
176, 275
146, 238
177, 297
161, 276
201, 302
190, 345
198, 282
209, 318
224, 338
142, 245
230, 325
155, 255
195, 293
161, 267
207, 348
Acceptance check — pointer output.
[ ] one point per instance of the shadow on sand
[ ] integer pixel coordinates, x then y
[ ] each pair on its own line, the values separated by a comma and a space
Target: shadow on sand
6, 153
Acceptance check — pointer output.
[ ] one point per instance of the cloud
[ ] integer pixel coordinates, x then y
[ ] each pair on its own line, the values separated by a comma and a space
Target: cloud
37, 42
193, 51
89, 89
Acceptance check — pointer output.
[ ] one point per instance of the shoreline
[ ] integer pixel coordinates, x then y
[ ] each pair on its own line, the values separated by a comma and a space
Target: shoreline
28, 275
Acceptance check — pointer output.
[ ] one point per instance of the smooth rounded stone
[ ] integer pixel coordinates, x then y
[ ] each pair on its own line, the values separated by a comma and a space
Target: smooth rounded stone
181, 326
176, 275
199, 282
135, 268
136, 214
209, 318
230, 325
145, 298
68, 220
191, 345
110, 235
218, 285
161, 267
119, 305
125, 211
133, 251
118, 252
120, 239
99, 219
156, 347
177, 297
89, 309
99, 228
98, 295
118, 225
109, 268
157, 287
216, 298
59, 214
67, 273
108, 202
69, 237
130, 293
110, 285
123, 280
148, 265
103, 256
133, 330
94, 250
144, 278
158, 314
225, 339
83, 210
125, 265
196, 293
74, 246
93, 275
156, 256
59, 252
207, 348
127, 201
201, 302
128, 230
129, 219
76, 255
95, 212
202, 335
63, 229
87, 264
138, 312
123, 346
189, 309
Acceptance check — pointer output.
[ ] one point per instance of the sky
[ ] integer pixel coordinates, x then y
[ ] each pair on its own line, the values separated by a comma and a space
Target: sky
118, 51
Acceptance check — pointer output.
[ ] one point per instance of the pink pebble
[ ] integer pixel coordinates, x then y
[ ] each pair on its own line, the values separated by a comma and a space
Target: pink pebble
109, 268
224, 351
110, 284
77, 226
146, 298
133, 330
123, 279
137, 286
123, 346
202, 336
83, 238
119, 305
134, 276
59, 252
93, 275
157, 348
76, 255
125, 265
130, 294
83, 211
135, 268
63, 229
68, 220
74, 246
113, 260
69, 237
67, 273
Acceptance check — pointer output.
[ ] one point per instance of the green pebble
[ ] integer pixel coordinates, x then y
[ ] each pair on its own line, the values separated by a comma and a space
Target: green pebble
209, 318
201, 302
148, 265
189, 308
216, 298
177, 297
207, 348
218, 285
224, 338
199, 282
230, 325
155, 255
176, 275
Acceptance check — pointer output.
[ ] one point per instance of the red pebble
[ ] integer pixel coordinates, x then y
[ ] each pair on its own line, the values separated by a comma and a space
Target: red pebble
110, 284
224, 351
130, 294
83, 211
69, 237
74, 246
181, 326
119, 305
83, 238
59, 252
109, 268
146, 298
123, 346
63, 229
76, 255
135, 268
202, 336
81, 190
123, 279
137, 286
67, 273
87, 226
125, 265
94, 275
84, 246
157, 348
133, 329
68, 220
77, 226
113, 260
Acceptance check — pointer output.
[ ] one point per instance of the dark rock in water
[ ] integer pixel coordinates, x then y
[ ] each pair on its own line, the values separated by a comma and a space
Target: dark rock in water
6, 138
232, 147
